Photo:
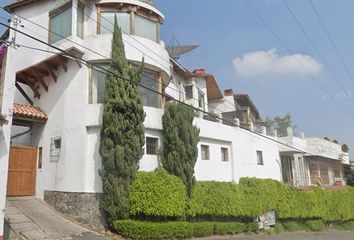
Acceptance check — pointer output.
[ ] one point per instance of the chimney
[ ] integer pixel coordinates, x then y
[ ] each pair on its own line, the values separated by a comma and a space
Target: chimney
199, 71
228, 92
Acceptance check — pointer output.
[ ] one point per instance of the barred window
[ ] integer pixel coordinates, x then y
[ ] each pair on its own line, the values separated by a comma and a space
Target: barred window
225, 154
205, 152
151, 146
260, 158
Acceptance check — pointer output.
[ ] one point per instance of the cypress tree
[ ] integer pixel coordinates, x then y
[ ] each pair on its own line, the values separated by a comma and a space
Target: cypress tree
180, 138
122, 133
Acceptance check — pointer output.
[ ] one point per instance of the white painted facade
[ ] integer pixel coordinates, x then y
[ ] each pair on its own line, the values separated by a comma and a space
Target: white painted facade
77, 122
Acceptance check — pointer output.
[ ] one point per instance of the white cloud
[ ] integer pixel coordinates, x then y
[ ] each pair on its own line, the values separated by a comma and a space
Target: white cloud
270, 63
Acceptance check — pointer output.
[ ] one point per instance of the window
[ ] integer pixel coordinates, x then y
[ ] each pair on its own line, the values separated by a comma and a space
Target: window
189, 91
60, 23
205, 152
259, 158
201, 103
107, 22
151, 146
40, 152
225, 154
55, 148
146, 28
149, 98
80, 20
97, 83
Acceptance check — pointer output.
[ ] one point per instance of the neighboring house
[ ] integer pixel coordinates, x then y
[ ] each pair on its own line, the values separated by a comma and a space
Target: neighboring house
239, 106
314, 162
54, 104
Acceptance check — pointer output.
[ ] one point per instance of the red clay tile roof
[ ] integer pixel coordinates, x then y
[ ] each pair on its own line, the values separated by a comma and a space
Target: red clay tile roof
28, 111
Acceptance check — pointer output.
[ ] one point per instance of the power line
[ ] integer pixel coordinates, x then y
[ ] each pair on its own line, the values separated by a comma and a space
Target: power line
331, 40
105, 71
295, 57
107, 58
314, 45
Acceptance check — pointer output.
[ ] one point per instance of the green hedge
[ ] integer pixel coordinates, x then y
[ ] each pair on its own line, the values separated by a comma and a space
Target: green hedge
141, 230
157, 194
253, 197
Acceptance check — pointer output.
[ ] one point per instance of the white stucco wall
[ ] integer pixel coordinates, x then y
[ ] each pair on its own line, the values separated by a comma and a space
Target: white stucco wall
5, 130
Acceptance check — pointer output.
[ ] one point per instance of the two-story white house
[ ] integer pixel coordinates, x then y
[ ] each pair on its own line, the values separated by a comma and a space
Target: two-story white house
53, 104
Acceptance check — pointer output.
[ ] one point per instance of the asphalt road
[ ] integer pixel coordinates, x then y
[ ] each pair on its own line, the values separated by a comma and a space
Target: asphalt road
290, 236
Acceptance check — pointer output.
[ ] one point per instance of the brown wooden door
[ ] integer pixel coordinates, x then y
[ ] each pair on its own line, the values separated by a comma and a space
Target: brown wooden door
22, 171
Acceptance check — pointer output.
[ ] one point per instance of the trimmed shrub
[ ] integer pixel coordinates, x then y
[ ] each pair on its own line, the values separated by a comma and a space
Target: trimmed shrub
221, 228
202, 229
216, 199
157, 194
140, 230
345, 226
150, 230
315, 225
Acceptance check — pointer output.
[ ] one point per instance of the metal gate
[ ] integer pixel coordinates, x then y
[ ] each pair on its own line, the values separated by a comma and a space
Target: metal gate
22, 171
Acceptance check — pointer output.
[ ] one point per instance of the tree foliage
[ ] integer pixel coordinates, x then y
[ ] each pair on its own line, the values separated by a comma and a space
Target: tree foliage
180, 140
281, 124
122, 133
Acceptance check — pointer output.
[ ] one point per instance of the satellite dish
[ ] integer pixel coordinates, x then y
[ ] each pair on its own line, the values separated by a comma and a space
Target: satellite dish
175, 49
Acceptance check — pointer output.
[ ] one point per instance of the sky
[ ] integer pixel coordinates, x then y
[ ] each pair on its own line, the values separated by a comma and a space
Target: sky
284, 74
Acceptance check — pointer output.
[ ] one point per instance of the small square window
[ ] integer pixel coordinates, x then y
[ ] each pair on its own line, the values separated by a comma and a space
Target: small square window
151, 146
225, 154
189, 91
205, 152
55, 149
260, 158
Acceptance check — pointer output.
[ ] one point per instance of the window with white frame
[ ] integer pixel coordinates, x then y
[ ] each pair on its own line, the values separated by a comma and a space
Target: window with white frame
260, 158
152, 145
146, 28
55, 149
60, 23
188, 91
107, 22
224, 154
97, 83
204, 152
201, 102
137, 23
148, 79
80, 19
149, 98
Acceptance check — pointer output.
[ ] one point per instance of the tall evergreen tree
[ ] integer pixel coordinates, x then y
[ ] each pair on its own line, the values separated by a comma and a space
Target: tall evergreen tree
180, 138
122, 133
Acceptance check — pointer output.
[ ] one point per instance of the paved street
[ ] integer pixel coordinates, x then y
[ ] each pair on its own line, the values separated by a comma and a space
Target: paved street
290, 236
30, 218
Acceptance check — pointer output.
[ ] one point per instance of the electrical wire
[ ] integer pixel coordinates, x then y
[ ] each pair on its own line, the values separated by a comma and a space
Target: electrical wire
292, 13
105, 71
107, 58
331, 40
254, 11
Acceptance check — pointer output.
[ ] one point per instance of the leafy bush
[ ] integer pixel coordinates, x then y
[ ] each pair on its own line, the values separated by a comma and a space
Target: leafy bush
215, 199
140, 230
221, 228
345, 226
203, 229
151, 230
253, 197
157, 194
315, 225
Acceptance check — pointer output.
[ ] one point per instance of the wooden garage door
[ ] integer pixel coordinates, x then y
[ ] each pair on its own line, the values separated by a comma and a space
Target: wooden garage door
22, 171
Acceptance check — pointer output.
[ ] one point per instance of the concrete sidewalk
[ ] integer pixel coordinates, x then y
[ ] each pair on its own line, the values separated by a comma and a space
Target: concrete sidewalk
30, 218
